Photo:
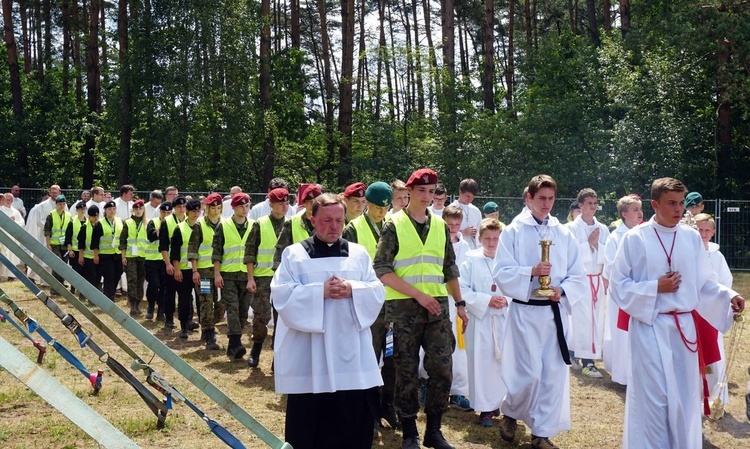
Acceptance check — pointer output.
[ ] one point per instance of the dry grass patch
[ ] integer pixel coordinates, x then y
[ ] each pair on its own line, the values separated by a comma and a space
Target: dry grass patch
26, 421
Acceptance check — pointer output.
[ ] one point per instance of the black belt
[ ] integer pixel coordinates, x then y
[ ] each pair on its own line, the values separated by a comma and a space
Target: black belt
558, 323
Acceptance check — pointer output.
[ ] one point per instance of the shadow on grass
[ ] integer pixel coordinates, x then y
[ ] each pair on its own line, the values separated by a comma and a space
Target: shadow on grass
604, 383
730, 425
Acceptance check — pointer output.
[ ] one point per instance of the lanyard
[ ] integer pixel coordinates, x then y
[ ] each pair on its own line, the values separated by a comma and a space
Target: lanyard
671, 249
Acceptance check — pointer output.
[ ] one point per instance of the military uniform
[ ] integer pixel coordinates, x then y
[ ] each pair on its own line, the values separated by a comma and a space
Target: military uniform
110, 259
55, 226
166, 231
133, 243
156, 272
71, 240
185, 287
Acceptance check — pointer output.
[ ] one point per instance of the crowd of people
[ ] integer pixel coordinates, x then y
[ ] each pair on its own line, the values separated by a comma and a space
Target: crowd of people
384, 299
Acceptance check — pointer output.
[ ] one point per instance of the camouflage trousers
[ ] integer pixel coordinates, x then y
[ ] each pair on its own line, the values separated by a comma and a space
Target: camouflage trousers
135, 272
261, 304
414, 327
62, 253
236, 299
210, 309
379, 330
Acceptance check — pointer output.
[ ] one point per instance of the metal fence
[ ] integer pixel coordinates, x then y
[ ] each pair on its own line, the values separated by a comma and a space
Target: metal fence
732, 216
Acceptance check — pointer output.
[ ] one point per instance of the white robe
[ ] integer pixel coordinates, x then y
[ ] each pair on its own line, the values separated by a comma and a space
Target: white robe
124, 208
35, 226
100, 205
716, 378
151, 212
325, 345
485, 333
16, 216
438, 212
533, 370
616, 350
472, 217
588, 314
663, 405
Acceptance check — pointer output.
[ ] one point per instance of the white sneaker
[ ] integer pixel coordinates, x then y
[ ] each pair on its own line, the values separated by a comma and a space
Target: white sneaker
591, 371
575, 365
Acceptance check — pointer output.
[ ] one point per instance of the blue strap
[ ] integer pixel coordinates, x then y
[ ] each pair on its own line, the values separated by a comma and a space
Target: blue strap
7, 317
62, 350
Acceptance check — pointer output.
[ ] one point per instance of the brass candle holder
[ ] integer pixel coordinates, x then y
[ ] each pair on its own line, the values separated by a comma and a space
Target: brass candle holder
544, 290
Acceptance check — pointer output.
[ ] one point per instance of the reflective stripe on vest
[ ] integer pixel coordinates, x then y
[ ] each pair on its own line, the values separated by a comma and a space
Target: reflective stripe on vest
364, 235
299, 232
110, 241
266, 248
185, 230
205, 249
234, 247
420, 265
136, 237
76, 229
152, 248
59, 225
88, 253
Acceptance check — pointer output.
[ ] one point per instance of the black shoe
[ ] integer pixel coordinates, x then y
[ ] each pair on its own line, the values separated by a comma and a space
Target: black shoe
235, 349
193, 326
433, 437
210, 340
160, 317
184, 334
150, 312
254, 358
169, 324
410, 443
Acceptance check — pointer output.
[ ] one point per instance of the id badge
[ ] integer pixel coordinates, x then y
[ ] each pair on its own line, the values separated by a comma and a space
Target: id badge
134, 250
389, 341
114, 242
62, 241
205, 286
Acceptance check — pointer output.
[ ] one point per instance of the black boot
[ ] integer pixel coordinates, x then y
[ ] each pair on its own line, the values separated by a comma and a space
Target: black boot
254, 358
211, 340
193, 326
433, 437
184, 332
235, 349
150, 312
410, 433
136, 308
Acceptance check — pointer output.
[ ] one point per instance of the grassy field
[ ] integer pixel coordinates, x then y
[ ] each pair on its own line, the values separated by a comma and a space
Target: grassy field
26, 421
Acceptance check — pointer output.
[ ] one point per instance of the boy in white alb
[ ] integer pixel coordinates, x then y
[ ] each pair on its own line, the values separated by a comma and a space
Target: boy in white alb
616, 348
661, 277
467, 190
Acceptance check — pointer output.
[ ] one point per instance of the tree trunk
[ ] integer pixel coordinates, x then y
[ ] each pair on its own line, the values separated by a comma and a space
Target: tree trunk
103, 31
294, 18
625, 16
593, 27
607, 5
47, 11
418, 61
39, 53
394, 106
66, 47
327, 82
447, 16
76, 51
408, 84
269, 147
345, 92
362, 58
15, 87
431, 52
25, 36
126, 88
489, 56
509, 68
572, 17
527, 24
94, 91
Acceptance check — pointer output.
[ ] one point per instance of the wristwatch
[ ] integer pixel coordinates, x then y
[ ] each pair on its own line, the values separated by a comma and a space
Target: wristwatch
461, 304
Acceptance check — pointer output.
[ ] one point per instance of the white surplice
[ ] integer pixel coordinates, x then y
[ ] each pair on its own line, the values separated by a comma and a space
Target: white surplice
485, 334
716, 376
472, 216
16, 216
35, 227
533, 370
616, 349
324, 345
588, 314
124, 208
664, 399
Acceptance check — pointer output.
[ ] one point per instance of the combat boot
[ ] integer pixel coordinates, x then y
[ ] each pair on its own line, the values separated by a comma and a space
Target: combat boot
150, 312
235, 349
433, 437
254, 359
410, 433
211, 344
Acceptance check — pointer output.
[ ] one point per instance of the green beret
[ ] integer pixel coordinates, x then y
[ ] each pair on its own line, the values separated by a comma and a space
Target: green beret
60, 199
693, 199
490, 207
379, 194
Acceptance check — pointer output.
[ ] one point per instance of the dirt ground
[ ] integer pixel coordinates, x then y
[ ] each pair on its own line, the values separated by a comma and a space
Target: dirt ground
26, 421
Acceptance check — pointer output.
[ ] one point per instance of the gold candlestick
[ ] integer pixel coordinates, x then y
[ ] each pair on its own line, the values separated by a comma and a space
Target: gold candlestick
544, 290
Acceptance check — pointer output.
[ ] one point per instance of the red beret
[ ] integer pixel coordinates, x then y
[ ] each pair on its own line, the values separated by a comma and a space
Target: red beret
214, 199
278, 195
311, 192
421, 177
240, 199
357, 190
138, 203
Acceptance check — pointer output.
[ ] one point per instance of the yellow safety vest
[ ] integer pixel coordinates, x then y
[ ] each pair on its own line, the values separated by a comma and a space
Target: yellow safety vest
234, 247
59, 225
185, 230
137, 239
364, 235
88, 253
110, 241
266, 248
76, 229
205, 249
152, 248
299, 233
420, 265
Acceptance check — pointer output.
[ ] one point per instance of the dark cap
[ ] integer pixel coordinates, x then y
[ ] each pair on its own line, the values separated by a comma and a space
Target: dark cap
193, 204
109, 204
379, 194
80, 205
60, 199
575, 205
692, 199
490, 208
166, 206
422, 177
179, 201
357, 189
278, 195
93, 211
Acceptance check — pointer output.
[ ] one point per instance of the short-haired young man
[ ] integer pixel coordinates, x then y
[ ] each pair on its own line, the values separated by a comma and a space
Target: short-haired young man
438, 201
354, 197
535, 358
133, 243
467, 190
661, 277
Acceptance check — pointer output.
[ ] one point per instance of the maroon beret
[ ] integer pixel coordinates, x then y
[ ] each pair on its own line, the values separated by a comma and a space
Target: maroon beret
278, 195
421, 177
214, 199
357, 190
138, 203
240, 199
311, 192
